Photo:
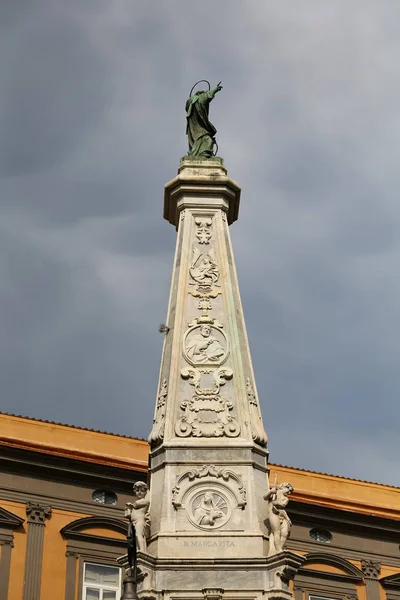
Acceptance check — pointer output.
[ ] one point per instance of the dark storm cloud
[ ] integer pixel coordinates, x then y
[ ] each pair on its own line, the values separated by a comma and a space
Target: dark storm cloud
92, 127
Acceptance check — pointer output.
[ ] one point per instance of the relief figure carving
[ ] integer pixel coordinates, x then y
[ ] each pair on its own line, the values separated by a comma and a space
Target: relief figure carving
157, 432
209, 508
202, 347
204, 269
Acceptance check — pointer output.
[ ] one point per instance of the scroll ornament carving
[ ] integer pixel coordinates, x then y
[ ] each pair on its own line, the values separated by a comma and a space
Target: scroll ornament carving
137, 512
370, 568
37, 513
209, 471
206, 414
278, 522
257, 429
203, 232
157, 433
219, 377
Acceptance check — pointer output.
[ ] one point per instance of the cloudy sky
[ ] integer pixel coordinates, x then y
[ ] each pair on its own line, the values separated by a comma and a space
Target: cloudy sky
92, 126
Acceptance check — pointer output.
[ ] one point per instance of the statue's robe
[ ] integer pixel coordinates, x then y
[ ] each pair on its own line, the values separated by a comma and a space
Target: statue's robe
199, 129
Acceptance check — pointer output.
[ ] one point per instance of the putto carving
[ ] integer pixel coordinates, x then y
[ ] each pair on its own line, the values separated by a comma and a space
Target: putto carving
207, 416
205, 343
138, 514
212, 472
157, 433
203, 232
278, 522
37, 513
257, 429
370, 568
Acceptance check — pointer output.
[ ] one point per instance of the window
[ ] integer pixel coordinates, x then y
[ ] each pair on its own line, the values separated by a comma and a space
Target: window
104, 497
101, 582
321, 535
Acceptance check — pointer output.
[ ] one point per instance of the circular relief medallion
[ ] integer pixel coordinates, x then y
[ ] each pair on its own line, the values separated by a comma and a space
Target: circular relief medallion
209, 509
205, 345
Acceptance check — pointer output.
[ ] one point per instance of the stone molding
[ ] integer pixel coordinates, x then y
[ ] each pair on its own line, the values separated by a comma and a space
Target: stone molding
334, 561
212, 593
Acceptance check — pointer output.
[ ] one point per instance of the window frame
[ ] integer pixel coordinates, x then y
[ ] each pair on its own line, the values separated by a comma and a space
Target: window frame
100, 586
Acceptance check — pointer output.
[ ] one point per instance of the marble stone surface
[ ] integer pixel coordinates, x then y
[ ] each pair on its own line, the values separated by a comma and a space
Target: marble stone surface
208, 460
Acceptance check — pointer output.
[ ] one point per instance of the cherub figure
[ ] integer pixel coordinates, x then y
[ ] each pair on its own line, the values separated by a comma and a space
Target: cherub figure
278, 522
138, 514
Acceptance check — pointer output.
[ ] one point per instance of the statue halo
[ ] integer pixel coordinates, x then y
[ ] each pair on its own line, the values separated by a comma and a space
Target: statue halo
200, 81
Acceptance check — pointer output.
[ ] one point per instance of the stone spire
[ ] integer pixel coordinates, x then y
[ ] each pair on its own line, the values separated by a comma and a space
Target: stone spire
208, 459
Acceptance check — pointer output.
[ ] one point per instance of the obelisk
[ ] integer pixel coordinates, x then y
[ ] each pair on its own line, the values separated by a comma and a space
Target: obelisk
208, 459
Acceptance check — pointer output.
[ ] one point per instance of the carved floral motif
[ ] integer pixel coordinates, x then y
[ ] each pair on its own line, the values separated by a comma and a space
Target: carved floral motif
257, 429
37, 513
203, 232
157, 432
370, 568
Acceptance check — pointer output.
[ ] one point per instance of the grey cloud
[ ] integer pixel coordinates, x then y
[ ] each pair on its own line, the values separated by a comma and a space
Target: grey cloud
92, 127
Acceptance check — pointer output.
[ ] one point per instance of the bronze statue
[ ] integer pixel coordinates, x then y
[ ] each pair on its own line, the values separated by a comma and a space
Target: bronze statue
200, 131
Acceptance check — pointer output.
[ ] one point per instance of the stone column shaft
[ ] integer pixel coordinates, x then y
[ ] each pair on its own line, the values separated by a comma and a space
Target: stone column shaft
37, 516
5, 562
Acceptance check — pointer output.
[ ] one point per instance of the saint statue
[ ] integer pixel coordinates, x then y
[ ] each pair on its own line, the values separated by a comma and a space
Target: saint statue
278, 522
200, 131
204, 347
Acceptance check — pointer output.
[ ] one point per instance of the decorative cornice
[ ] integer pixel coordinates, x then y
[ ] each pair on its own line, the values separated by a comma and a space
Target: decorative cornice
348, 569
76, 528
8, 520
391, 582
370, 568
7, 543
37, 513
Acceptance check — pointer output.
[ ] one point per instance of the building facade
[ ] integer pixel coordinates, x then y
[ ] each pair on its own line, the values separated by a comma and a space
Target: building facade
62, 495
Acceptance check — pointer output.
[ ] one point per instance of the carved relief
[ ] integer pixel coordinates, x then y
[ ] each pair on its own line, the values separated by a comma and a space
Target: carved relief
203, 232
207, 416
205, 343
210, 472
204, 269
209, 509
370, 568
200, 377
157, 432
37, 513
257, 429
